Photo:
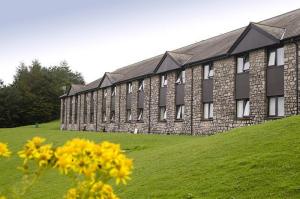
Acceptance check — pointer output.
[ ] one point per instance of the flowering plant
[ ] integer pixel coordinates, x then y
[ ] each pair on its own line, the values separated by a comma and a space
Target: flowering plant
90, 165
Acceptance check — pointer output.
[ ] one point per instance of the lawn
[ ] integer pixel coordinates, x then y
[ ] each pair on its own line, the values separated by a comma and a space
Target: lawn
261, 161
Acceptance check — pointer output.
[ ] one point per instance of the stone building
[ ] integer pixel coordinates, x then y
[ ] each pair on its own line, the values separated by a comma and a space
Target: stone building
239, 78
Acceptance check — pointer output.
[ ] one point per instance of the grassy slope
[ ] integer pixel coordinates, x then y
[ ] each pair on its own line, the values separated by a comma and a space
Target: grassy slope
261, 161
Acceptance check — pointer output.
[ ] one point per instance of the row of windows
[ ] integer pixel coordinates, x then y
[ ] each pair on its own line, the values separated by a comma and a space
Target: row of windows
275, 106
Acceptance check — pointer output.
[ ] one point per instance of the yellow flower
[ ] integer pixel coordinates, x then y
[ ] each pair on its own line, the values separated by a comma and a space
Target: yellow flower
72, 194
4, 151
102, 191
2, 197
43, 155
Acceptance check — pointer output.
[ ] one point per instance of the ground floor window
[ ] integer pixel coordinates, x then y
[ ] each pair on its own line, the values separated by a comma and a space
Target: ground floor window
140, 114
104, 119
112, 116
179, 112
243, 108
276, 106
208, 112
128, 115
162, 113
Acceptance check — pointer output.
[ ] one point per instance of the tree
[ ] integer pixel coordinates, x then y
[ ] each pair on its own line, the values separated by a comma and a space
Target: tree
36, 90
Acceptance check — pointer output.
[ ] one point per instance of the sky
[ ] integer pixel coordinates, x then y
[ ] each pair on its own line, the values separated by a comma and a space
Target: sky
96, 36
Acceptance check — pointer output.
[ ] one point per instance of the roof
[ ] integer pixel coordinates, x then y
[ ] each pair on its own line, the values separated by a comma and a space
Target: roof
281, 27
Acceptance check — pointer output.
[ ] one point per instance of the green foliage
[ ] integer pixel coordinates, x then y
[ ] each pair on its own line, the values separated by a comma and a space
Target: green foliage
252, 162
33, 97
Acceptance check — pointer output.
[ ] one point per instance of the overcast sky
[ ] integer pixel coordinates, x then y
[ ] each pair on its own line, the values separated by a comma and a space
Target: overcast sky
96, 36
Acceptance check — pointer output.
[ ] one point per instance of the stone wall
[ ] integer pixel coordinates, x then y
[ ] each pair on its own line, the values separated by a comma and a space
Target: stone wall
223, 98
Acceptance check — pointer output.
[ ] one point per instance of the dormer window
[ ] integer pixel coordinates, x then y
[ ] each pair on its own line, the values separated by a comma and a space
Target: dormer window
208, 71
243, 64
164, 81
181, 77
141, 85
129, 88
276, 57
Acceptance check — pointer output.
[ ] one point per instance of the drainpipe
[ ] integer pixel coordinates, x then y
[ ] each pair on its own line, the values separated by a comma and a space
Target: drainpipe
297, 77
97, 112
79, 112
149, 125
192, 101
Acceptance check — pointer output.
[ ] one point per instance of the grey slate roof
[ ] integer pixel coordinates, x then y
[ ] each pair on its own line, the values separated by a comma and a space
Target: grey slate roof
281, 27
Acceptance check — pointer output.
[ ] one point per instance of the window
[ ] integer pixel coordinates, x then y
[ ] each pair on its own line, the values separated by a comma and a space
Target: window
71, 110
243, 108
140, 114
181, 77
129, 88
163, 81
85, 108
129, 116
208, 110
276, 106
141, 85
76, 109
112, 116
92, 108
243, 64
104, 95
113, 91
179, 112
163, 113
208, 71
276, 57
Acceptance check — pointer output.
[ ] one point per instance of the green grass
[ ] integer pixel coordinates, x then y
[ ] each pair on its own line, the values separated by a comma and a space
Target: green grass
261, 161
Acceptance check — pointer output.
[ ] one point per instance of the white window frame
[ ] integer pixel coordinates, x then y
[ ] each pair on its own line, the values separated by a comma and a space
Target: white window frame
180, 109
210, 111
163, 81
277, 56
243, 64
208, 71
278, 110
164, 117
245, 103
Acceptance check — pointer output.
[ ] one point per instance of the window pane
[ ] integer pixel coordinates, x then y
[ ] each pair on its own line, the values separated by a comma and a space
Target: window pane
280, 57
162, 80
280, 106
247, 109
272, 58
178, 115
178, 81
211, 110
206, 110
246, 65
272, 104
165, 113
240, 64
211, 72
240, 107
183, 76
206, 71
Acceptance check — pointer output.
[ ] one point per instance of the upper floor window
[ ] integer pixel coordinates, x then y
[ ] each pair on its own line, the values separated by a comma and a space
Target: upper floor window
276, 57
276, 106
243, 64
208, 71
243, 108
163, 81
105, 93
181, 77
141, 85
113, 91
76, 109
208, 112
129, 88
92, 108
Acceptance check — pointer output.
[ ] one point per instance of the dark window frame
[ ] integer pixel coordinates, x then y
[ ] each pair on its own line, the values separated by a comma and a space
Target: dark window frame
210, 68
245, 57
85, 108
112, 117
127, 116
92, 107
179, 74
139, 111
71, 110
76, 110
103, 111
165, 78
182, 112
160, 119
63, 111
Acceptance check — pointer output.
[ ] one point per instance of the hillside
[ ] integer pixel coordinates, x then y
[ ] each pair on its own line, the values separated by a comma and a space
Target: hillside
261, 161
